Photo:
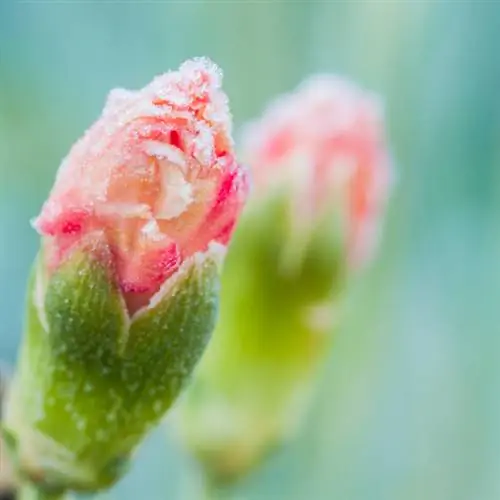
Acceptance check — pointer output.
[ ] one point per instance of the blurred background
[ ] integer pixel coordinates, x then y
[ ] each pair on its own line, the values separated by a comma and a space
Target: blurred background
409, 406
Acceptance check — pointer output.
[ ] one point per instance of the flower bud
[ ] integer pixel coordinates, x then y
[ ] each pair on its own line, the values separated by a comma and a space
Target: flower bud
154, 179
326, 143
124, 293
321, 172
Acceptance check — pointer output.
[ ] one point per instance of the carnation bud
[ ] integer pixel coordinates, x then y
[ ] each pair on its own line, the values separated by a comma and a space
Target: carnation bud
124, 293
321, 171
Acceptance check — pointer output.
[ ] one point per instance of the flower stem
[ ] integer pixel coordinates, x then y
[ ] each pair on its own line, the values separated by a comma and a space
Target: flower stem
210, 492
28, 491
215, 490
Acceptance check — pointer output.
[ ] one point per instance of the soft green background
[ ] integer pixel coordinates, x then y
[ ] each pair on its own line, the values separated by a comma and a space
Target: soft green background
410, 403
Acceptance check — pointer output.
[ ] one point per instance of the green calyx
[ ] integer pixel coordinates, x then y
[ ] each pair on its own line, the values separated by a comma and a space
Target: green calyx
30, 492
281, 291
91, 381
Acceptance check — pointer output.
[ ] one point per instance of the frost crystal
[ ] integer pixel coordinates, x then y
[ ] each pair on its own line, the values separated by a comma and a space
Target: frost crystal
155, 179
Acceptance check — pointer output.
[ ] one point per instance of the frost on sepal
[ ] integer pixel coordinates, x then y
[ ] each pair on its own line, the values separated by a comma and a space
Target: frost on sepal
91, 381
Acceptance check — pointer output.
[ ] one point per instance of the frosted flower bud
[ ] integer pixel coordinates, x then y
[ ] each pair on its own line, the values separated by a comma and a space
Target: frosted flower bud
154, 179
123, 297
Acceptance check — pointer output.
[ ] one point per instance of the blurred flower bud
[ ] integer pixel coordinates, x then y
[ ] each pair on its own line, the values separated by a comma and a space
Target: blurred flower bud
124, 294
326, 143
322, 173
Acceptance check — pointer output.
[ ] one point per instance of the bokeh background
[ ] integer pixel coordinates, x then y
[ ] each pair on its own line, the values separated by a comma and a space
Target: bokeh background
409, 407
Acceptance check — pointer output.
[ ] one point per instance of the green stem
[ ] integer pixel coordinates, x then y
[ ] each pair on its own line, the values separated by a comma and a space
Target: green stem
215, 490
210, 491
28, 491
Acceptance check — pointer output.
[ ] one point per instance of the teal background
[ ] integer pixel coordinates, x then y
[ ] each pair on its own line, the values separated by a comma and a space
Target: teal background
409, 406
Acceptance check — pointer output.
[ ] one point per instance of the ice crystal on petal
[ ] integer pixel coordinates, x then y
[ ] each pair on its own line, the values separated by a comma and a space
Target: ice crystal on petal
148, 174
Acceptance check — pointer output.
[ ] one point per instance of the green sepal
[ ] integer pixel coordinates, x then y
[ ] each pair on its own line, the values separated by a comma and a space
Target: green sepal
268, 297
280, 291
91, 382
